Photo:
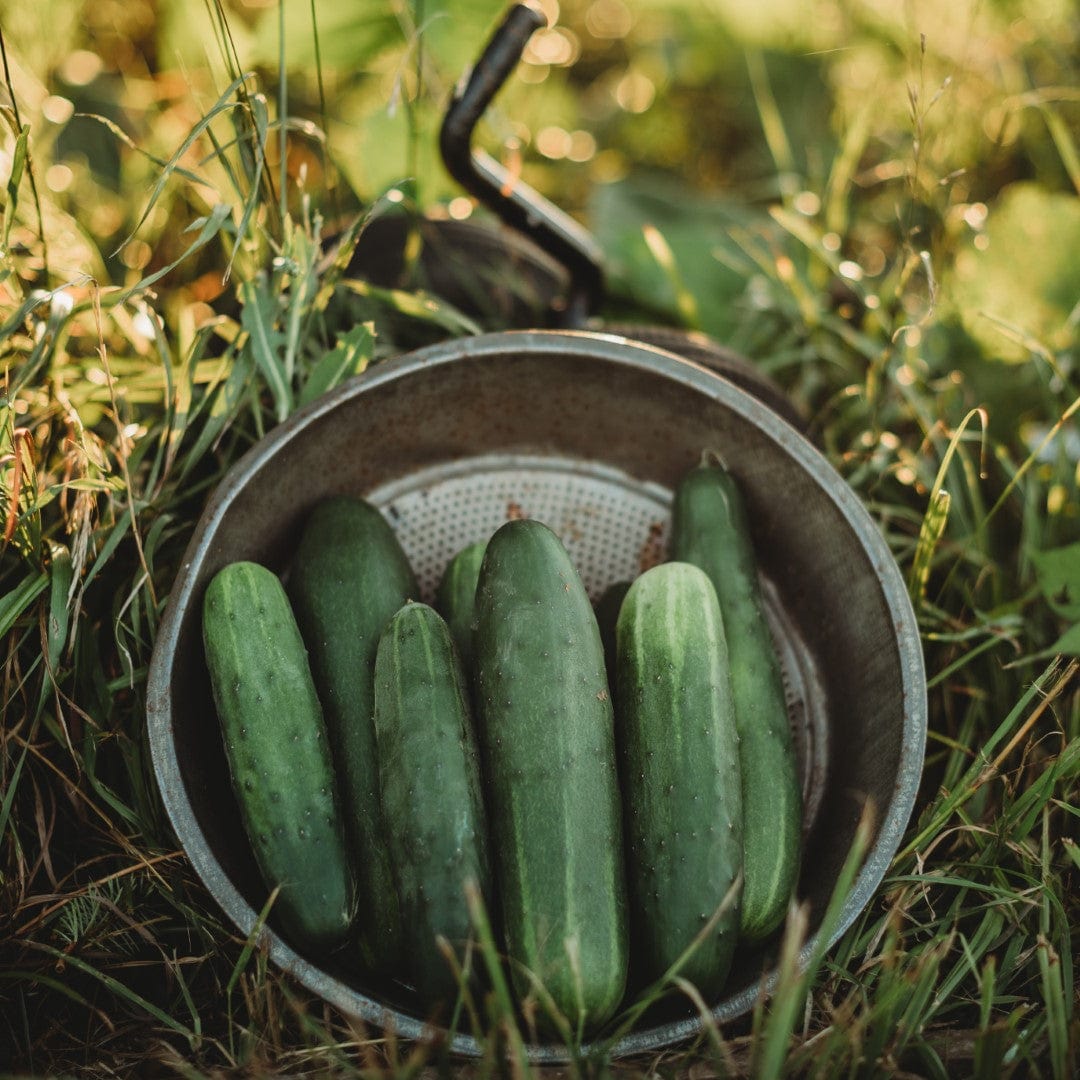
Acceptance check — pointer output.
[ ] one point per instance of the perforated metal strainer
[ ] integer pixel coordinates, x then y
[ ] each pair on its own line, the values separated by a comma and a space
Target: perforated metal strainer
591, 434
614, 528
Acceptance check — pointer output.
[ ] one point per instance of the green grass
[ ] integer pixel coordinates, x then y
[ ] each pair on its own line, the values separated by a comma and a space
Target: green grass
882, 212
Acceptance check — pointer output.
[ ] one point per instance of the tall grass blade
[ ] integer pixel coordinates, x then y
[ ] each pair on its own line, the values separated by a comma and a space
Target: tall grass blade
1036, 455
14, 181
61, 580
938, 814
503, 1012
1063, 140
116, 987
123, 137
772, 123
18, 600
932, 530
283, 112
28, 166
224, 104
260, 118
265, 342
661, 251
774, 1027
209, 227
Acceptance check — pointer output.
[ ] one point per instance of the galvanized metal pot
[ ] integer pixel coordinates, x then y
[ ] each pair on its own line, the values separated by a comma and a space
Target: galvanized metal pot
588, 433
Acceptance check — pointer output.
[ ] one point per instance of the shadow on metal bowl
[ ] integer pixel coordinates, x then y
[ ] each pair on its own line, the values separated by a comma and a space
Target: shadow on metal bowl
588, 433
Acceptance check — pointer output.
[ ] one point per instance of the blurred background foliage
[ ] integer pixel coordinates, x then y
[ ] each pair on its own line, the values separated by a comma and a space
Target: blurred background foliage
671, 93
880, 130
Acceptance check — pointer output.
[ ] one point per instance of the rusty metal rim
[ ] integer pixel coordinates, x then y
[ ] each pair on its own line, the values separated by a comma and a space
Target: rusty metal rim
623, 352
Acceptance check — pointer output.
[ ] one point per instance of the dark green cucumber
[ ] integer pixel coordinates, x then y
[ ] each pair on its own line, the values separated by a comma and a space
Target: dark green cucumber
547, 740
278, 755
710, 529
429, 776
455, 599
348, 577
679, 758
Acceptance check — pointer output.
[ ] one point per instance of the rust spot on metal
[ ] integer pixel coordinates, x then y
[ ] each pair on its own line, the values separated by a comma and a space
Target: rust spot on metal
652, 551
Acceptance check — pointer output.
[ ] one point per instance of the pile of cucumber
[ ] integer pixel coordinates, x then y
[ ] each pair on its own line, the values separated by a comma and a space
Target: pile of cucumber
619, 784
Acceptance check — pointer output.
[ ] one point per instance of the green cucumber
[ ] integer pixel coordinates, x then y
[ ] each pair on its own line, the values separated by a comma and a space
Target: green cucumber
710, 529
679, 759
278, 754
429, 776
455, 599
547, 740
348, 577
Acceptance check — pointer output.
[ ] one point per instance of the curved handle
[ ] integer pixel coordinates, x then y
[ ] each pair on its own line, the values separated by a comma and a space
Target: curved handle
514, 202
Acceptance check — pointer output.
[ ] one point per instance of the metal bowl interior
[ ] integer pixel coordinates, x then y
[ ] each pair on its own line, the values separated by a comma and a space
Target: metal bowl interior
590, 434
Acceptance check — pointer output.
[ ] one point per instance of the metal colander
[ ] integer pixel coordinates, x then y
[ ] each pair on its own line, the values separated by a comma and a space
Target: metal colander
613, 527
590, 434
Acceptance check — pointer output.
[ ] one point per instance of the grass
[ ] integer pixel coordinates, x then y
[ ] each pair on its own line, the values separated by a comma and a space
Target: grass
163, 304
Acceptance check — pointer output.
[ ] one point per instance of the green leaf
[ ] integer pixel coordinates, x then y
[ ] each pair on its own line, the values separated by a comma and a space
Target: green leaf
1071, 850
696, 232
349, 357
1057, 1011
1058, 575
1016, 291
304, 253
1066, 645
225, 400
416, 305
350, 35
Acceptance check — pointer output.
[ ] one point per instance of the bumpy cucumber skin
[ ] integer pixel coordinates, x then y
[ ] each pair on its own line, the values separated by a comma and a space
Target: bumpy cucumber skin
429, 777
681, 784
547, 745
455, 599
348, 577
710, 529
277, 750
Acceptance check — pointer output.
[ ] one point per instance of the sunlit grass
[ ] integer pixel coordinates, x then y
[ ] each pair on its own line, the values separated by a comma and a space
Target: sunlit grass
895, 193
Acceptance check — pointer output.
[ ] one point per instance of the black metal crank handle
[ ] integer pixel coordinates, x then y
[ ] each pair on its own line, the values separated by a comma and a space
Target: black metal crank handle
512, 200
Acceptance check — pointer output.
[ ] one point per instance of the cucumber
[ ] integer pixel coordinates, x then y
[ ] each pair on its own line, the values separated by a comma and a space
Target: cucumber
348, 577
455, 599
277, 751
429, 777
546, 733
679, 761
710, 529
